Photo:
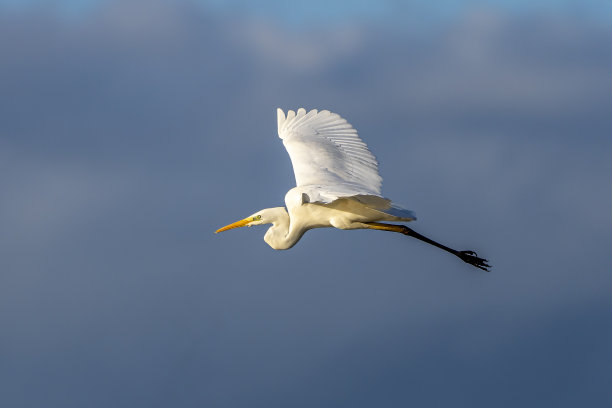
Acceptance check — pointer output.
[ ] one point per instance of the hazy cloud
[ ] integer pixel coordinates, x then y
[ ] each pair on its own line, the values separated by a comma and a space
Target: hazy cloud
129, 134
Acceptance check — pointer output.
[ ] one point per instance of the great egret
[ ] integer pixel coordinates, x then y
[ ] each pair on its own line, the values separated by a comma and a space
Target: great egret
338, 185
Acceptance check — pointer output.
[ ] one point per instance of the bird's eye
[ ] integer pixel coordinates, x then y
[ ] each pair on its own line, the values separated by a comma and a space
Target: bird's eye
257, 218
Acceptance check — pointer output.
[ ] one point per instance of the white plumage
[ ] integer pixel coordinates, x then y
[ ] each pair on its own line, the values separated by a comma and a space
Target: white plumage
330, 161
337, 185
325, 150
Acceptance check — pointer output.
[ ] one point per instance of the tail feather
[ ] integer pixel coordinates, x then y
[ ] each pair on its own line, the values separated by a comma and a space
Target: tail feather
384, 205
400, 212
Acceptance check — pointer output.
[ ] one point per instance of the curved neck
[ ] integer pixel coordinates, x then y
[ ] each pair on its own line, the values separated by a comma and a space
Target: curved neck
280, 235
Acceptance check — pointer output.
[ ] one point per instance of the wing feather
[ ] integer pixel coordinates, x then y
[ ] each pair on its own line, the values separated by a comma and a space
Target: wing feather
327, 155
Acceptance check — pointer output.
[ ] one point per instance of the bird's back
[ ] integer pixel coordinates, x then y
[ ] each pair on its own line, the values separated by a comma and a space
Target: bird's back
343, 212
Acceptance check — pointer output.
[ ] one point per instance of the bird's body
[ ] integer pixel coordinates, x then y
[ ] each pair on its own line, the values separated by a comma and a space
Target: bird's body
338, 185
288, 225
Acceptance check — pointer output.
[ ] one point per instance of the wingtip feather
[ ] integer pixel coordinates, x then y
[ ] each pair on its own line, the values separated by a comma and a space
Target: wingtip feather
280, 117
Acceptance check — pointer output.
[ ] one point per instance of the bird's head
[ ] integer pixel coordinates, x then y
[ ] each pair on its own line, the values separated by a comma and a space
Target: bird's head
266, 216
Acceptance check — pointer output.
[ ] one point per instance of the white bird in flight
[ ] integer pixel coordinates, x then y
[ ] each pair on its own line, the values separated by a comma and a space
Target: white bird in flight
338, 185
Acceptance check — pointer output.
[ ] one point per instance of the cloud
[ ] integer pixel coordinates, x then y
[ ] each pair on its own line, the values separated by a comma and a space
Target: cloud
129, 134
43, 200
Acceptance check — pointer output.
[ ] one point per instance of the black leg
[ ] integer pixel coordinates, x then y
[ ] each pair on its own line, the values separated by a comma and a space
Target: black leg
466, 256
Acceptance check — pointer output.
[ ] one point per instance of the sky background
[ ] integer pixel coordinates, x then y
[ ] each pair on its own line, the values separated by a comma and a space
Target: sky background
131, 130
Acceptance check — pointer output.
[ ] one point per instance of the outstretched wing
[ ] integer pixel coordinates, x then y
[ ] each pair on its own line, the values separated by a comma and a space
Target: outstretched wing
328, 156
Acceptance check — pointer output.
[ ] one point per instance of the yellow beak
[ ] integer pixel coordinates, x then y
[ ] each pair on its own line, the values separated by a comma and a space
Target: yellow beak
237, 224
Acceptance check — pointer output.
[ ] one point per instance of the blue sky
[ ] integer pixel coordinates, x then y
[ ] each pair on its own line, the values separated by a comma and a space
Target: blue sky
129, 133
320, 11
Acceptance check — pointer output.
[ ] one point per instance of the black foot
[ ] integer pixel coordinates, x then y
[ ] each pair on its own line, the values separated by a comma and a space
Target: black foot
472, 258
